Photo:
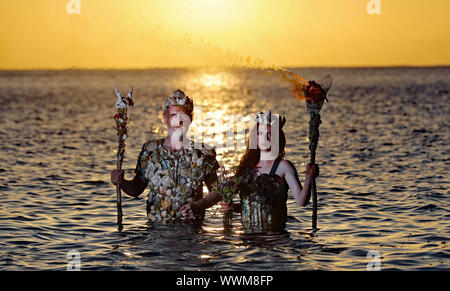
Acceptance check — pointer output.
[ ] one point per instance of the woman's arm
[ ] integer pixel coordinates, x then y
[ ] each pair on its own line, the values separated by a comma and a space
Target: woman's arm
301, 194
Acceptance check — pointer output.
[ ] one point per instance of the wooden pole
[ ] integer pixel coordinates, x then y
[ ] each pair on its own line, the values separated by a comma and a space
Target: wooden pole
313, 141
314, 105
119, 194
121, 119
314, 193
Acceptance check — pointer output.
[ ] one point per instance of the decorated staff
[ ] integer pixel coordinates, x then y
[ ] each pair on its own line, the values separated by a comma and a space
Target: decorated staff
121, 119
315, 95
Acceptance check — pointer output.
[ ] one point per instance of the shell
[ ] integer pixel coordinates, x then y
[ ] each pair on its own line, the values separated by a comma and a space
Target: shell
150, 170
156, 180
167, 182
166, 203
151, 146
157, 202
152, 217
183, 180
185, 171
169, 202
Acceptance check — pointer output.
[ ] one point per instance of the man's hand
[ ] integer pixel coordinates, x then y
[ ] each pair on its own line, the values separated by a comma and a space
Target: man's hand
117, 177
190, 211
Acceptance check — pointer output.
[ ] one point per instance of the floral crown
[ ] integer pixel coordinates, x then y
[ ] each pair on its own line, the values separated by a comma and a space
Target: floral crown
179, 99
270, 119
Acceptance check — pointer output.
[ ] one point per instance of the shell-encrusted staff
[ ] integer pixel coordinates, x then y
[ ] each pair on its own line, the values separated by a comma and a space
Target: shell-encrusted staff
121, 118
316, 94
174, 168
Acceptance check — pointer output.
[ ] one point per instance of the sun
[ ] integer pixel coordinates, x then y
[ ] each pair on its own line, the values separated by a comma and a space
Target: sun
203, 15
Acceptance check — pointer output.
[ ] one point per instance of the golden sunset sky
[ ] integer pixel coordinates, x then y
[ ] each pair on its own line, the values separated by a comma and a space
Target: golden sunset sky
41, 34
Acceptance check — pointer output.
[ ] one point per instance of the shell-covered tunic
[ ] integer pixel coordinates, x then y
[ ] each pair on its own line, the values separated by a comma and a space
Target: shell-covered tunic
175, 177
263, 201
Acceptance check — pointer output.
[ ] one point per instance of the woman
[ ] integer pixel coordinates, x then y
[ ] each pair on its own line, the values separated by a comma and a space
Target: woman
266, 178
174, 167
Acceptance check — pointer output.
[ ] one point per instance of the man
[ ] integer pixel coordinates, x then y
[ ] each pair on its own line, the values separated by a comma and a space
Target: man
174, 168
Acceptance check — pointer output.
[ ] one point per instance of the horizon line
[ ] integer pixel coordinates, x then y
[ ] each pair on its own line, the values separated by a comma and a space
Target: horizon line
74, 68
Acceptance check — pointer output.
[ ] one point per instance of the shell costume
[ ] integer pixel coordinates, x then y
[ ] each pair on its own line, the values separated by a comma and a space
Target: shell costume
263, 200
175, 177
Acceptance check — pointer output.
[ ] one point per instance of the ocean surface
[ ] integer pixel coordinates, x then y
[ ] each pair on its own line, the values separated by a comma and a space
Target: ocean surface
383, 188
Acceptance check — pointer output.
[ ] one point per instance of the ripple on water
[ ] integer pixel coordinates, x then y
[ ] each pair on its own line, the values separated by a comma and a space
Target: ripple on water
383, 158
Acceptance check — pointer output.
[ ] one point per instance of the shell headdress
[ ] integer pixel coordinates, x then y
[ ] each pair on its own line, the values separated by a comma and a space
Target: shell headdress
179, 99
270, 119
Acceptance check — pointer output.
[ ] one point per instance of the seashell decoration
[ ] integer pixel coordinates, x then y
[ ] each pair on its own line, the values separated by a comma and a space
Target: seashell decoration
175, 178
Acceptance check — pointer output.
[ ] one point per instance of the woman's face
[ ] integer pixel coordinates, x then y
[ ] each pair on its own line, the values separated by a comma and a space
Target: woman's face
177, 120
264, 137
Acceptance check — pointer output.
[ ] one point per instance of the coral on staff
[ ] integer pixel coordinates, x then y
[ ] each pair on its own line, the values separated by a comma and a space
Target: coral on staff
121, 117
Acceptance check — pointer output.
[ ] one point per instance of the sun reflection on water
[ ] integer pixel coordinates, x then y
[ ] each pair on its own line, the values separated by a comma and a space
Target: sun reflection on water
212, 80
218, 109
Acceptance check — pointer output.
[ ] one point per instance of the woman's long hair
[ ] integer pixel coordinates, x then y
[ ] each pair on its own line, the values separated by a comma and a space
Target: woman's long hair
252, 154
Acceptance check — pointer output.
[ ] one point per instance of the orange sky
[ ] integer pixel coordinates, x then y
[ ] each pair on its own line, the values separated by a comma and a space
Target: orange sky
36, 34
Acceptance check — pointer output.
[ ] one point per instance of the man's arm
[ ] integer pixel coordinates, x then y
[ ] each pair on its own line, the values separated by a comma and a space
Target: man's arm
189, 211
135, 187
212, 198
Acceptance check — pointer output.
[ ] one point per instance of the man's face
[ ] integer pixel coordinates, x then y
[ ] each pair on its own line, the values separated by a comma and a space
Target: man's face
177, 121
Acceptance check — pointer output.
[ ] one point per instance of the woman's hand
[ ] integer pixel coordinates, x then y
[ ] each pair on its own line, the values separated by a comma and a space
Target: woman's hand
312, 170
225, 207
190, 211
117, 177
